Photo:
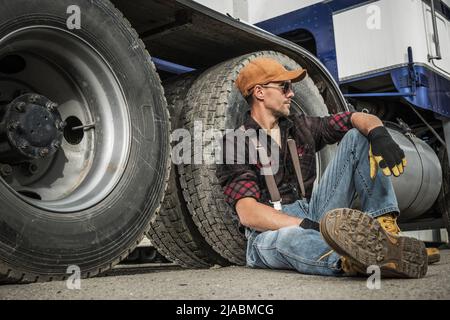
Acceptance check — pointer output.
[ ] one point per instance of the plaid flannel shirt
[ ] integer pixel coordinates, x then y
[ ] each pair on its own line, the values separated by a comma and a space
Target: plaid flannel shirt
311, 135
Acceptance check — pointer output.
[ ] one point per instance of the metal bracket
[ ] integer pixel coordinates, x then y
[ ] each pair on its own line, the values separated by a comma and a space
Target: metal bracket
183, 20
428, 126
446, 127
420, 79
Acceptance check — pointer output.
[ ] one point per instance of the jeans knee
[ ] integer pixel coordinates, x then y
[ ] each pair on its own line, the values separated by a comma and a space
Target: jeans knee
356, 138
291, 238
287, 235
354, 134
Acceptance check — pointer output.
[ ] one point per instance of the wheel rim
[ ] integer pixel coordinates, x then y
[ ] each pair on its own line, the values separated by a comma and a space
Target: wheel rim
63, 67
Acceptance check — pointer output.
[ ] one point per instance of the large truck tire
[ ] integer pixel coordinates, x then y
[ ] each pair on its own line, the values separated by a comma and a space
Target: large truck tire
88, 205
215, 102
173, 232
443, 201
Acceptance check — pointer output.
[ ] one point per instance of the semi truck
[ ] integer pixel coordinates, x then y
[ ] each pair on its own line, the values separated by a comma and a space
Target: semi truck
392, 59
94, 94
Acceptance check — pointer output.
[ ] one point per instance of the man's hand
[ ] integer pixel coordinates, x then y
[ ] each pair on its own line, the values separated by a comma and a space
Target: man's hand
385, 153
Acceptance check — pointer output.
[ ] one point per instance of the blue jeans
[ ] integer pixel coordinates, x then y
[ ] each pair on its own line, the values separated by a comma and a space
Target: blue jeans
305, 250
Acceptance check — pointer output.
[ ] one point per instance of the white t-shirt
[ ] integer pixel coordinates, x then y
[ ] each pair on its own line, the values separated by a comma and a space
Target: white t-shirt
275, 134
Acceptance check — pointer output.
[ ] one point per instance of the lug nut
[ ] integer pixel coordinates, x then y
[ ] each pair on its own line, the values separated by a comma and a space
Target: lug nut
23, 146
20, 106
51, 106
14, 125
61, 125
44, 152
33, 98
56, 144
6, 170
29, 168
32, 168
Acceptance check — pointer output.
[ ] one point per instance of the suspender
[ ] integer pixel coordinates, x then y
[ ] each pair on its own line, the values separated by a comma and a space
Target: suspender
269, 178
298, 171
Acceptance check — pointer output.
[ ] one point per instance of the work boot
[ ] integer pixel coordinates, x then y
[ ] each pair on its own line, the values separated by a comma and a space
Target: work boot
351, 267
433, 255
359, 237
389, 223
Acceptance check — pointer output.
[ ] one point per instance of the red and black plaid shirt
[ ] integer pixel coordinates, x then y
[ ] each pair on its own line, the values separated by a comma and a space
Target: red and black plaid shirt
311, 135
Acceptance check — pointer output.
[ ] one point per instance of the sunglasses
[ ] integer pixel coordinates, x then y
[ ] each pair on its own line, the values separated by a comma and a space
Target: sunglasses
285, 87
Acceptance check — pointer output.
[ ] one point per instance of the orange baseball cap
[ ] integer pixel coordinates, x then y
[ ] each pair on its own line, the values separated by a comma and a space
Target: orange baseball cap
265, 70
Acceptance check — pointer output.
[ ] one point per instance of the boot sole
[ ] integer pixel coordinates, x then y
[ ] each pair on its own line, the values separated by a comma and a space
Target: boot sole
434, 258
354, 234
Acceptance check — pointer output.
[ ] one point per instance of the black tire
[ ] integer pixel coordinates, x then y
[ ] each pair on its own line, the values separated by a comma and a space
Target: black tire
38, 244
443, 201
173, 232
214, 100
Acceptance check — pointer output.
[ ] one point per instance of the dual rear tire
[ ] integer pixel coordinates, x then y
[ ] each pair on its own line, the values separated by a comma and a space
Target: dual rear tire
117, 183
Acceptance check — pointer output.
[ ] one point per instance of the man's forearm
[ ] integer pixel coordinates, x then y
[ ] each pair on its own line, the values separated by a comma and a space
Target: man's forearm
365, 122
262, 217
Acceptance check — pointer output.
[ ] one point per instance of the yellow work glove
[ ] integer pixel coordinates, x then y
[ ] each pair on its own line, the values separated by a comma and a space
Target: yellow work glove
385, 153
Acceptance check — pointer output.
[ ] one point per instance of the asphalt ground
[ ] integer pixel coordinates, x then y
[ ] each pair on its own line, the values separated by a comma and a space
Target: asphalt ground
169, 282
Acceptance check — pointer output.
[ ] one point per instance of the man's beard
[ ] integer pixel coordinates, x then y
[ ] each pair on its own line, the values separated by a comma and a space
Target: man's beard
281, 113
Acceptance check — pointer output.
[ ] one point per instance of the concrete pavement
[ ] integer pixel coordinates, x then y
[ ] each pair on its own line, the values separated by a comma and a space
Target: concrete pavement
236, 283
